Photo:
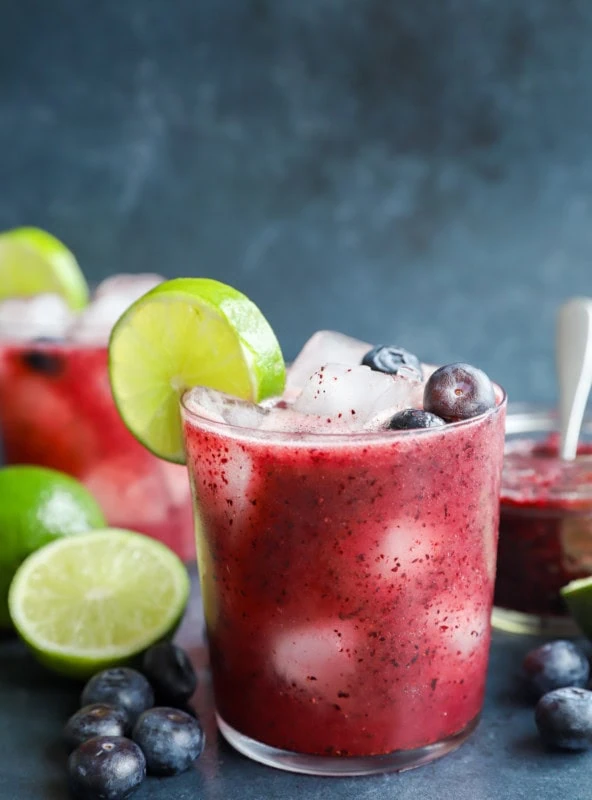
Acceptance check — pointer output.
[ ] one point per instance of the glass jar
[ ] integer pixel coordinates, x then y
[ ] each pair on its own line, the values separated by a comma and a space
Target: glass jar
545, 537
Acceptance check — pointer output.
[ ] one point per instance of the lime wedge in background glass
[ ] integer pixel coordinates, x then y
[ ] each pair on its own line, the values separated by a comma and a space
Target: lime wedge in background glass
188, 332
578, 598
88, 602
38, 505
33, 261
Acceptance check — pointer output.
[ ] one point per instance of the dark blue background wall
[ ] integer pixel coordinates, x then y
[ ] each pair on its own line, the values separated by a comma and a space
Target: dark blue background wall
418, 171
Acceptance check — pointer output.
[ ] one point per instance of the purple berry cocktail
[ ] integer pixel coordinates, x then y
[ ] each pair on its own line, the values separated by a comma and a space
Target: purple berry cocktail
346, 527
347, 569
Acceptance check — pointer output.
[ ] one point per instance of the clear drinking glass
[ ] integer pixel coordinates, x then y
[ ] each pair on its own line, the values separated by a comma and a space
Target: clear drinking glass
545, 537
57, 411
347, 584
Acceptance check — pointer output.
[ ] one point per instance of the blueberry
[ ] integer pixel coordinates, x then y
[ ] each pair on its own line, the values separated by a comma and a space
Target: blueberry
44, 362
390, 359
555, 665
170, 739
121, 687
414, 418
564, 718
458, 391
170, 672
98, 719
106, 768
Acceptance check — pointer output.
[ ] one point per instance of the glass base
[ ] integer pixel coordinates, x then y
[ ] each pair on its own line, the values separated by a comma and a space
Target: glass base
333, 766
505, 619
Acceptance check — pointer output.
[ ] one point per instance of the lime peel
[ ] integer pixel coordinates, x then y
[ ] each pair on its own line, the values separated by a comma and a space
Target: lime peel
188, 332
577, 595
32, 261
98, 599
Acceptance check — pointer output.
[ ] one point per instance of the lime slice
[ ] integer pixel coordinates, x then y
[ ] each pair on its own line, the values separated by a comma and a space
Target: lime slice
33, 261
38, 505
88, 602
578, 599
188, 332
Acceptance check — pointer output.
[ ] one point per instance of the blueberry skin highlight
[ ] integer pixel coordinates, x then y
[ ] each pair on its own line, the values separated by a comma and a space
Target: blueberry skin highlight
414, 418
170, 739
98, 719
106, 768
170, 672
555, 665
564, 719
390, 359
121, 687
458, 391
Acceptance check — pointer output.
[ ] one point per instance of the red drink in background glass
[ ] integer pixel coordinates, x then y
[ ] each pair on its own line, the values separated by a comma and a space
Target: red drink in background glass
545, 536
56, 410
348, 584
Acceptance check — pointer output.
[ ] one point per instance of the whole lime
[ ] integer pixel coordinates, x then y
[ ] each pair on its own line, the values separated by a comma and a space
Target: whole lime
37, 506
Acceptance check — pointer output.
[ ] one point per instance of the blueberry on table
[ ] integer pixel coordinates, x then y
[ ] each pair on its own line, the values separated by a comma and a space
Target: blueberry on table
564, 718
555, 665
122, 687
458, 391
170, 672
390, 359
170, 739
106, 768
98, 719
411, 418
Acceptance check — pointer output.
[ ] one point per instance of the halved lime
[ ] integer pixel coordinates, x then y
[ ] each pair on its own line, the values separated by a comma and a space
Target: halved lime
37, 506
88, 602
33, 261
188, 332
578, 599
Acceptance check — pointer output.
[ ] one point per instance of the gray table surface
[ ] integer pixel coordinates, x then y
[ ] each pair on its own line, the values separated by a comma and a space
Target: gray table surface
503, 759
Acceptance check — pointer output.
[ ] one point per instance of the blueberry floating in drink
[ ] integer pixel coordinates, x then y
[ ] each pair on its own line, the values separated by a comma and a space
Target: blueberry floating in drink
458, 391
414, 418
43, 361
392, 360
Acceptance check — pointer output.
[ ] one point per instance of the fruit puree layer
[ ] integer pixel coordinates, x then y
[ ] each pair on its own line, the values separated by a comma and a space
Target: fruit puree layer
56, 410
347, 580
545, 526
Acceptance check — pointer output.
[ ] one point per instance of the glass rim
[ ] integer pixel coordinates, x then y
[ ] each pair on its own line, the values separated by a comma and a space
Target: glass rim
358, 437
532, 418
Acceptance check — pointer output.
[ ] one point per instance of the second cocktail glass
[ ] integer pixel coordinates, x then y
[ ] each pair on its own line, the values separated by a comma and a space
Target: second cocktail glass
57, 411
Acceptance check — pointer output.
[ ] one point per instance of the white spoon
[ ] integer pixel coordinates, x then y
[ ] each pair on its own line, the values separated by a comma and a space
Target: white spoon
574, 370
